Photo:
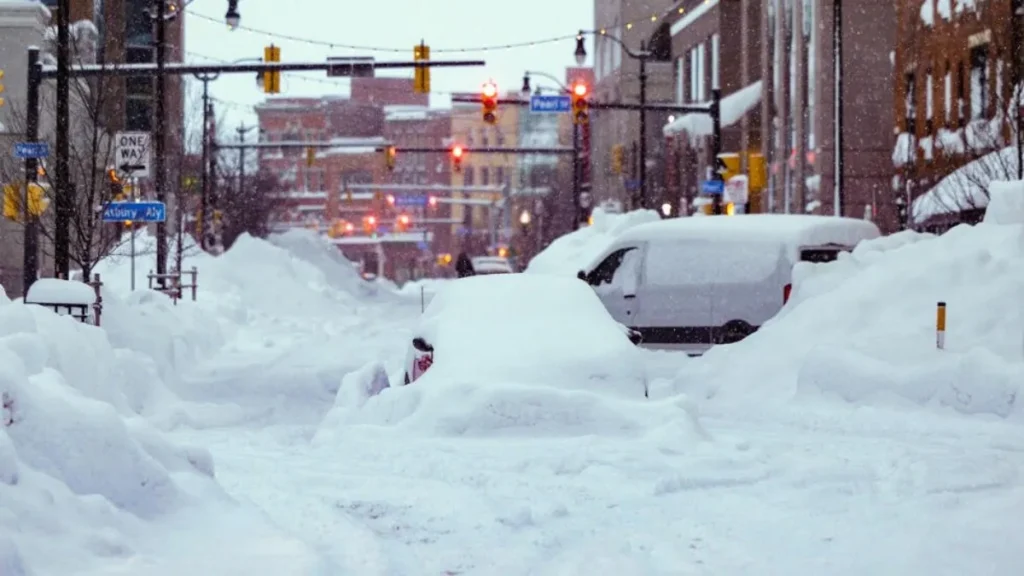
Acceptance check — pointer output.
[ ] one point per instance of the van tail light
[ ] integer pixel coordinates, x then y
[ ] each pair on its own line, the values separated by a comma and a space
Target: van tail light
786, 291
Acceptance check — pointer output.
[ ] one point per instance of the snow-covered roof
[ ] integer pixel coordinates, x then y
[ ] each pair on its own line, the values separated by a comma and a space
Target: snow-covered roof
733, 107
967, 187
793, 229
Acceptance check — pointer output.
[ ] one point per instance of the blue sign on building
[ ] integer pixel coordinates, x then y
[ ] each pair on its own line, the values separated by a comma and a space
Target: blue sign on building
713, 186
31, 150
549, 103
135, 212
410, 200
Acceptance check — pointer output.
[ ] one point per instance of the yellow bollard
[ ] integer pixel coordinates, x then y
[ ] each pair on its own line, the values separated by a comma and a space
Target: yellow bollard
940, 326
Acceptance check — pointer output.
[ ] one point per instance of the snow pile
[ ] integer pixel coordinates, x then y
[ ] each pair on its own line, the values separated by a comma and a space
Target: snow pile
1006, 203
863, 328
575, 251
74, 451
315, 249
533, 354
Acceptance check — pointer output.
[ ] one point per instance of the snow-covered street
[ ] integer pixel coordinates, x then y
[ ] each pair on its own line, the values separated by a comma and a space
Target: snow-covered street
832, 442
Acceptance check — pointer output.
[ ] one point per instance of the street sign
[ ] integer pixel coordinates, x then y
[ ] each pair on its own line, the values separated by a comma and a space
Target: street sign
351, 66
132, 153
31, 150
410, 200
713, 186
549, 103
632, 184
135, 212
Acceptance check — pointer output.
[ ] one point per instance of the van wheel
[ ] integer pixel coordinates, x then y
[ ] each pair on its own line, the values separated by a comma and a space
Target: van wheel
734, 331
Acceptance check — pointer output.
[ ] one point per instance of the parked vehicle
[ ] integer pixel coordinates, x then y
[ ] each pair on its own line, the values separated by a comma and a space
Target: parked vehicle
483, 265
524, 328
691, 283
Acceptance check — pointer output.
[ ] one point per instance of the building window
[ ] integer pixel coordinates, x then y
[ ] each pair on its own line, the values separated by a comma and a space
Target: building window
499, 175
485, 177
680, 81
979, 82
929, 103
694, 76
138, 28
469, 138
909, 103
947, 93
467, 178
499, 138
714, 62
961, 95
483, 137
138, 114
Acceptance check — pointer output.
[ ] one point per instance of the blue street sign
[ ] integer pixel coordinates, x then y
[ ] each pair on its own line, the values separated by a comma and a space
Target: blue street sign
632, 184
410, 200
31, 150
713, 186
549, 103
135, 211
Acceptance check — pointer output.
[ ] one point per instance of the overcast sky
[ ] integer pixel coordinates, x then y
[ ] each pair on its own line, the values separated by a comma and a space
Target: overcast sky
398, 24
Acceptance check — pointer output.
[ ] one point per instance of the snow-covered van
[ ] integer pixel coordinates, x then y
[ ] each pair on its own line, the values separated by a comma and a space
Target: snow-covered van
691, 283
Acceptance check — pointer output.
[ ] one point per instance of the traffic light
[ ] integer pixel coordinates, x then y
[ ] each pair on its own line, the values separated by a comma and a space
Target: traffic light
457, 158
369, 224
489, 99
389, 157
113, 177
14, 197
390, 198
272, 78
421, 78
432, 201
310, 156
1, 87
618, 158
580, 106
403, 222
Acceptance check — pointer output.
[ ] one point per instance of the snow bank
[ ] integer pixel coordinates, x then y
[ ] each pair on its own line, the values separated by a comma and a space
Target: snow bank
571, 253
339, 272
1006, 203
74, 451
863, 328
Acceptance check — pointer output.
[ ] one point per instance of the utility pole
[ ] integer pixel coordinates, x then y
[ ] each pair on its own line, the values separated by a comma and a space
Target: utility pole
642, 56
204, 206
242, 131
577, 193
30, 263
1017, 66
159, 135
837, 54
64, 204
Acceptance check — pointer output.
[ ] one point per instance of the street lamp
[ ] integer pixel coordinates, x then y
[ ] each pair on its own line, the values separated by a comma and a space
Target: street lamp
233, 17
666, 209
524, 218
640, 200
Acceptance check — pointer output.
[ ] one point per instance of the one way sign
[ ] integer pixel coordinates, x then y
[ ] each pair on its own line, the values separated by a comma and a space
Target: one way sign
132, 153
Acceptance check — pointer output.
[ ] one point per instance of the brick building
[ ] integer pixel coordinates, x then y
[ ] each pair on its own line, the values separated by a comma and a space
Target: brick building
480, 219
318, 196
952, 105
713, 45
423, 127
617, 80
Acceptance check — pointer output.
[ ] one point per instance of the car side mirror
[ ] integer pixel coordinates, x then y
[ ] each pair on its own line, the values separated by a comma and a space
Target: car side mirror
636, 337
421, 345
582, 275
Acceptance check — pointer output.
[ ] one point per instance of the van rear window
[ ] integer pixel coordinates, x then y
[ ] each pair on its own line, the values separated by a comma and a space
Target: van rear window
820, 255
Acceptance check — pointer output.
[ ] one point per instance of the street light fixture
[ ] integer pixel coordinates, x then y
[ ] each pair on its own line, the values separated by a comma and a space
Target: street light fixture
581, 50
524, 218
526, 86
666, 209
643, 55
232, 17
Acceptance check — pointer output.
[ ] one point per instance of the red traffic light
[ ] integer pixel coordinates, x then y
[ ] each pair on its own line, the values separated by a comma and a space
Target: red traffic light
403, 219
371, 220
457, 152
580, 89
391, 199
490, 90
349, 228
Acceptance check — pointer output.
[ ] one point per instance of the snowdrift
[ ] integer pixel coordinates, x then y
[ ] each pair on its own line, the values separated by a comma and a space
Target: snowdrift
862, 328
338, 271
516, 355
569, 254
74, 449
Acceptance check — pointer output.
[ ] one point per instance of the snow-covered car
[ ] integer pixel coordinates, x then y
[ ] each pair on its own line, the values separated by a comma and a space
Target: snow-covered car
484, 265
528, 329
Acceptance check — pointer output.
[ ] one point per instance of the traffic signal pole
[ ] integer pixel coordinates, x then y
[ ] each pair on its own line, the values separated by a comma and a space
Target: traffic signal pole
64, 71
30, 262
